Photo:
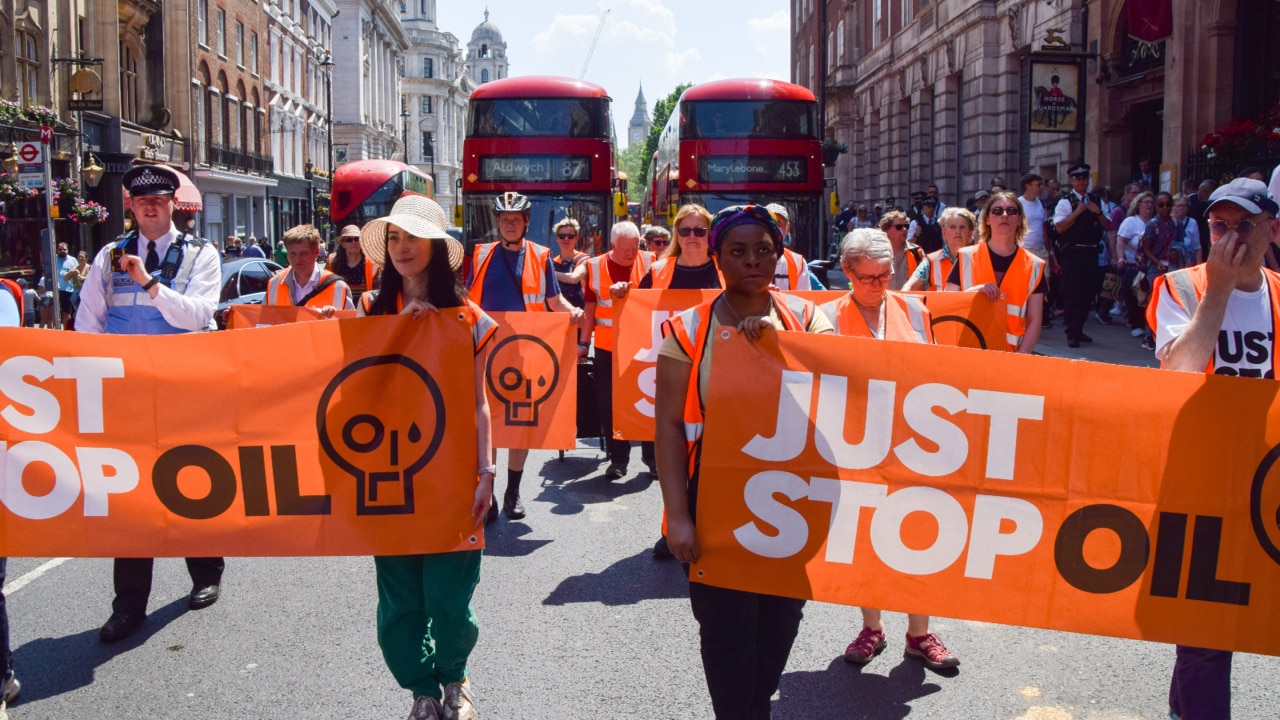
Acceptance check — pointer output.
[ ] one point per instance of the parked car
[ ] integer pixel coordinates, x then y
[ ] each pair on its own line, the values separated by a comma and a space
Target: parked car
244, 281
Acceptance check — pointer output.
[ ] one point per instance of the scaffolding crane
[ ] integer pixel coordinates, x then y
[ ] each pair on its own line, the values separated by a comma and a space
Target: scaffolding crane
592, 48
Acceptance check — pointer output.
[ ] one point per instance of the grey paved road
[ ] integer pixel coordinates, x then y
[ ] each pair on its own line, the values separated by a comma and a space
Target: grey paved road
578, 621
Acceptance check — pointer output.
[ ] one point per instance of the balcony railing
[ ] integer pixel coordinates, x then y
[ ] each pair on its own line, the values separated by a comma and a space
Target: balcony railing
237, 160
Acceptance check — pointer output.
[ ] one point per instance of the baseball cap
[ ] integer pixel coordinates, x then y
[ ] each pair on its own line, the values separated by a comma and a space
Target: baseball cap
1249, 194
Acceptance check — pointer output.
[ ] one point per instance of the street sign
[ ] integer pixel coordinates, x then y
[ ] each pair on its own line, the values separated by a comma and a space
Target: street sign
30, 165
30, 153
46, 135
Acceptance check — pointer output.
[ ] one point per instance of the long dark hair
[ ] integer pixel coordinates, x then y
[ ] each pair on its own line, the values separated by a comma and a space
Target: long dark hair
338, 258
443, 288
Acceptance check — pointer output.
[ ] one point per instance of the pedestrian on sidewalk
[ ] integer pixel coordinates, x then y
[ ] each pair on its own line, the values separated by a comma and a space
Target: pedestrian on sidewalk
426, 628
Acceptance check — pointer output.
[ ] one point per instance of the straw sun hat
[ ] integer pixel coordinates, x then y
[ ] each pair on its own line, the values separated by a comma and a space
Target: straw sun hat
417, 215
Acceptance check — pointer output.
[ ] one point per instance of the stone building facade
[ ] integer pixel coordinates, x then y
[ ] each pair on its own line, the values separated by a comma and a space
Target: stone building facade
638, 128
938, 92
369, 44
486, 53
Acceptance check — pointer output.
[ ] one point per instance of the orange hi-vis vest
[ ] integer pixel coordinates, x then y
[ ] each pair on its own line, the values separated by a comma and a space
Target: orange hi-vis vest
1187, 287
640, 268
692, 328
939, 268
336, 294
906, 319
599, 280
664, 270
796, 269
1017, 285
483, 326
370, 270
532, 277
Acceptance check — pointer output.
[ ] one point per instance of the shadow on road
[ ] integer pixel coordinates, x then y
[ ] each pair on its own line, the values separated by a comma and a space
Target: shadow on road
575, 482
503, 538
626, 582
846, 692
53, 666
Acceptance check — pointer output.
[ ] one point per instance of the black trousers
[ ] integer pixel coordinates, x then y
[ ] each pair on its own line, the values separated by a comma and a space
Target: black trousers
619, 450
133, 580
746, 640
6, 656
1081, 281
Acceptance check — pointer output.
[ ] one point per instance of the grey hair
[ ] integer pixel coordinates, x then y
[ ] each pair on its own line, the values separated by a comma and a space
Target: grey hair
626, 228
865, 244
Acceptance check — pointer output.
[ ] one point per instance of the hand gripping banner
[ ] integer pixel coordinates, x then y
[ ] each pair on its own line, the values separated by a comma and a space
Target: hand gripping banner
361, 439
992, 487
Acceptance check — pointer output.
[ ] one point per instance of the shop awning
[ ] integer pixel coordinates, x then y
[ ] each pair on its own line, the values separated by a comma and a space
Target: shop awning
187, 199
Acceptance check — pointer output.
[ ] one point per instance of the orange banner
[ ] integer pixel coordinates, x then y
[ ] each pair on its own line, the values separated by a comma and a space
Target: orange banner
970, 486
361, 440
960, 319
637, 328
251, 316
531, 367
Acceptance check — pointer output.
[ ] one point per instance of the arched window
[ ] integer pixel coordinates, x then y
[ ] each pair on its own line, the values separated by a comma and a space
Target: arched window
484, 76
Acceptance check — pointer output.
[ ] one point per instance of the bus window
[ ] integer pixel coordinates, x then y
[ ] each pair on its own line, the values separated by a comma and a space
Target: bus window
539, 117
749, 119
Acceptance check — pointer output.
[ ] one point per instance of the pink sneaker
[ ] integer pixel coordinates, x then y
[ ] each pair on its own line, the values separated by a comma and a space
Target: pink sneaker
867, 645
931, 652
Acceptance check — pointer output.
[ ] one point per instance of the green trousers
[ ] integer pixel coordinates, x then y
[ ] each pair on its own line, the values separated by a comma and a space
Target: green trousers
425, 625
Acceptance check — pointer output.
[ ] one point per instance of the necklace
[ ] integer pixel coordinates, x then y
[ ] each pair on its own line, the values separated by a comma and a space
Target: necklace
738, 318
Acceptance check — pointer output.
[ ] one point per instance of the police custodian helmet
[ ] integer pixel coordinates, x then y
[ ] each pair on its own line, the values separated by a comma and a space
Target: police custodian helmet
511, 202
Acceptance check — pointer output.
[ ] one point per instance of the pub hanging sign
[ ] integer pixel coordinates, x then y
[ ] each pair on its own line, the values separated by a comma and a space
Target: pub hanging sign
1055, 95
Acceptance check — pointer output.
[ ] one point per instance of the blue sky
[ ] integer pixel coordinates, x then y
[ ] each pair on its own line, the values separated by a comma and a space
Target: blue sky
661, 43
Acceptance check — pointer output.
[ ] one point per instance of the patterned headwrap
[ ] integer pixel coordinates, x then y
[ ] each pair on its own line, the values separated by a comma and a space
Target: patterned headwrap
735, 215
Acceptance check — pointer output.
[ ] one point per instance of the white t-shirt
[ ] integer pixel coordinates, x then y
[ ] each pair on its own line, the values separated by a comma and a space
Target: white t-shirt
1034, 212
1131, 232
9, 314
1245, 342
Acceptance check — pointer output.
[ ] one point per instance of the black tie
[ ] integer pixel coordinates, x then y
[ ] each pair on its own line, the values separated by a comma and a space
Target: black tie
153, 260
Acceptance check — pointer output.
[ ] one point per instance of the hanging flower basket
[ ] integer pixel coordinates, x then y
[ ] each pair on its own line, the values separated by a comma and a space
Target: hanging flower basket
42, 115
831, 151
10, 111
87, 212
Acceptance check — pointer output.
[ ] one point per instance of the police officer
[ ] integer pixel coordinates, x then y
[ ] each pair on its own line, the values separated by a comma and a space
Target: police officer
1081, 228
154, 280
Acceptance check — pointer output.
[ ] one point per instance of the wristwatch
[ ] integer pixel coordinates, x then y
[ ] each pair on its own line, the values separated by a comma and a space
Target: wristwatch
150, 284
492, 470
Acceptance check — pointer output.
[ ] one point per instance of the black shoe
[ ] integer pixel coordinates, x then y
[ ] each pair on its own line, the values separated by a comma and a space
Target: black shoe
512, 506
661, 550
11, 688
202, 596
652, 467
1073, 342
493, 511
1104, 316
616, 470
1084, 338
119, 626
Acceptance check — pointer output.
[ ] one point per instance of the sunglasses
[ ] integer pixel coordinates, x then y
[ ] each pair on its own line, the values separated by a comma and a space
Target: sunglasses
883, 277
1010, 211
566, 236
899, 227
1162, 204
654, 242
687, 231
1242, 228
350, 239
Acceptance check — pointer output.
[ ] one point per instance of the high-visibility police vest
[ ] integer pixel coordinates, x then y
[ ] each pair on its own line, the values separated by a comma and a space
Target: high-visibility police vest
599, 280
532, 277
640, 268
664, 270
906, 319
691, 330
1187, 287
940, 265
335, 294
1017, 285
130, 309
795, 270
482, 325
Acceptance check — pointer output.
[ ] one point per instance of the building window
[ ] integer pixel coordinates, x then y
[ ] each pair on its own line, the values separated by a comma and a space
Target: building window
831, 55
908, 11
202, 22
404, 104
28, 69
128, 83
428, 145
220, 33
214, 113
426, 104
840, 41
202, 142
428, 70
484, 76
240, 44
253, 53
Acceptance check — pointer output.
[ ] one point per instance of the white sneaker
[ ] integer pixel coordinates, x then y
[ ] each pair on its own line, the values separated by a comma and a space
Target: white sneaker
459, 704
4, 714
424, 708
1117, 309
1138, 332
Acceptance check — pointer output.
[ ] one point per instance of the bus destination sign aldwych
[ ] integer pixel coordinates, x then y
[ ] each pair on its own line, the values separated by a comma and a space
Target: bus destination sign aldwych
535, 168
755, 169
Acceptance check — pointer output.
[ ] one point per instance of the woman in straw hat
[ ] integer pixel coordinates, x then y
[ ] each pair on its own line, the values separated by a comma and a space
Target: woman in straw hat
424, 601
350, 262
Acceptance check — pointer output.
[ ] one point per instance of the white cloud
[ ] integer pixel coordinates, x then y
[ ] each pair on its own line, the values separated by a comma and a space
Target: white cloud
565, 31
775, 25
676, 62
663, 15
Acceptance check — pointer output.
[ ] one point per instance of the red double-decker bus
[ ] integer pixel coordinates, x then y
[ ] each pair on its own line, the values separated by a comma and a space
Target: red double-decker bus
733, 142
365, 190
549, 138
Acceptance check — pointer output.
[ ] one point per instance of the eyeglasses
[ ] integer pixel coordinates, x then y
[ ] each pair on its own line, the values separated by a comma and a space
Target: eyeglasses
1005, 210
899, 227
883, 277
687, 231
1242, 228
566, 236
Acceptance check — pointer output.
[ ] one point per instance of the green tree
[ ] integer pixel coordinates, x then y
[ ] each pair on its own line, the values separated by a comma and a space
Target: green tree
661, 113
632, 162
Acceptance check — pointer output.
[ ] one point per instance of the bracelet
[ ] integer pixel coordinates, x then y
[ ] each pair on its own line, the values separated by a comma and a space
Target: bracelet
491, 471
150, 284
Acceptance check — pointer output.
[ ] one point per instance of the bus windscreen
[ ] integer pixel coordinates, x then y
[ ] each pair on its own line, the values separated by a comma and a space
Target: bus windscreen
538, 117
755, 119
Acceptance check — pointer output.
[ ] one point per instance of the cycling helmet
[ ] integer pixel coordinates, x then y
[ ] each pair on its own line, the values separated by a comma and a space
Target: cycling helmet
511, 202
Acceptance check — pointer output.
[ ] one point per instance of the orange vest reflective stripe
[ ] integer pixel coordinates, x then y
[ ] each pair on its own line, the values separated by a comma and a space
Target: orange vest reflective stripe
1187, 286
278, 292
939, 268
532, 277
906, 319
640, 268
599, 280
664, 270
1018, 284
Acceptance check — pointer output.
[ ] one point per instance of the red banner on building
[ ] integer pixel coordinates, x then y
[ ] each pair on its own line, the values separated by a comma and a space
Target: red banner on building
1149, 20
